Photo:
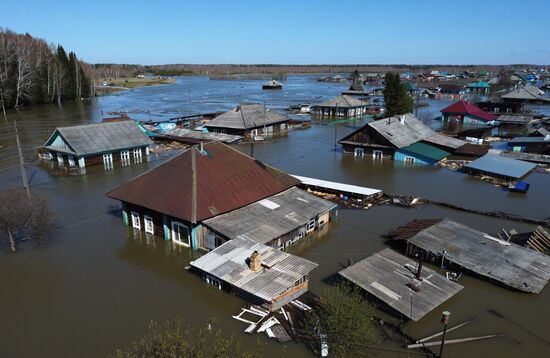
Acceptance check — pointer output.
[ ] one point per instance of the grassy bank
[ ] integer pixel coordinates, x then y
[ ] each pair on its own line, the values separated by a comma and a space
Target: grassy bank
110, 85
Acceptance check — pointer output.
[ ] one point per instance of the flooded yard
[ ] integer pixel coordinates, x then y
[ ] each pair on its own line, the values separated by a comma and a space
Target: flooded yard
92, 286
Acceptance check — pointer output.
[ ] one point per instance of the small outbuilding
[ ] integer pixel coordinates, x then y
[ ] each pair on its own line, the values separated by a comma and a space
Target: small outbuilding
341, 106
104, 143
272, 85
498, 166
407, 287
258, 273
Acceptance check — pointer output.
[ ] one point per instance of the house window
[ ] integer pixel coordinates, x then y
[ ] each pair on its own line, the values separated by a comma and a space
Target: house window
254, 132
137, 155
71, 160
149, 227
125, 157
358, 152
409, 160
508, 110
136, 224
180, 233
377, 154
497, 110
311, 225
108, 161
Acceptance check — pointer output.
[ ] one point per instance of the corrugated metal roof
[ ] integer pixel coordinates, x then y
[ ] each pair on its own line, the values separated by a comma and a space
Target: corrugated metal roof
262, 223
279, 273
444, 141
526, 93
496, 164
387, 274
247, 117
101, 137
354, 189
402, 130
511, 264
466, 108
516, 140
226, 180
426, 150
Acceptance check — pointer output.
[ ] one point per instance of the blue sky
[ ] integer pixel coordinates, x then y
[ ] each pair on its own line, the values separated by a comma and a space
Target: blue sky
290, 32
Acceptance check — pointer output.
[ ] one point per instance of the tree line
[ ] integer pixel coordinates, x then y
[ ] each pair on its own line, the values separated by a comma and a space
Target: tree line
35, 72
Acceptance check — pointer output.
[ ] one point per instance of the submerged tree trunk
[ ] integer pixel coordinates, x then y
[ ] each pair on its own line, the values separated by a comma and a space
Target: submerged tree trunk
3, 105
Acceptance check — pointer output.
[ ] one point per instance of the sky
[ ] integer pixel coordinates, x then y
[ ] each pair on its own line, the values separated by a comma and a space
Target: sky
290, 32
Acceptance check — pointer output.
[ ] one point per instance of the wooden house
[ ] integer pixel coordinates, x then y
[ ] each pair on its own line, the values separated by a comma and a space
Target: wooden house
249, 121
449, 91
457, 247
467, 113
107, 143
479, 87
341, 106
527, 94
532, 144
402, 138
184, 200
258, 273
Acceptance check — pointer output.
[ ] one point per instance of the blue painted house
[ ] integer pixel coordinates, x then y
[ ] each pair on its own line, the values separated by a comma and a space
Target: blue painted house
420, 154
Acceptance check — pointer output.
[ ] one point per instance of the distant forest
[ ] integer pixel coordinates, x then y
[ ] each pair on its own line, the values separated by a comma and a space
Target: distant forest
117, 70
35, 72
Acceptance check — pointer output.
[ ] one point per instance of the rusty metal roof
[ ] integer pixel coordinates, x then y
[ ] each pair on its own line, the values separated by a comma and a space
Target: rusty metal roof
225, 180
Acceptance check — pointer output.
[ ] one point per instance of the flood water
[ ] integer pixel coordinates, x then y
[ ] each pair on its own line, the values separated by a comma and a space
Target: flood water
93, 285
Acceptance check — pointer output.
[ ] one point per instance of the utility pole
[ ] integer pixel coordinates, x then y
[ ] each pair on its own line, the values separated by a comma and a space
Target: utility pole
21, 162
445, 321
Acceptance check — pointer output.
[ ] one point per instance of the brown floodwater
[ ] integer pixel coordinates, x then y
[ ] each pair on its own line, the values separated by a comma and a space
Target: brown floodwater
92, 285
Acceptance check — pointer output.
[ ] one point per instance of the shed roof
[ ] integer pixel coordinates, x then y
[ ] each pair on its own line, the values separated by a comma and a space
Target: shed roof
342, 101
225, 180
505, 262
496, 164
279, 273
478, 84
271, 218
516, 140
466, 108
387, 275
193, 136
247, 117
444, 141
89, 139
473, 149
273, 83
426, 150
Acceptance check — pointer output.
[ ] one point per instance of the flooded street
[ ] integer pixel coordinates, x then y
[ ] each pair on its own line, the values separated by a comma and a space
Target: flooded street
93, 285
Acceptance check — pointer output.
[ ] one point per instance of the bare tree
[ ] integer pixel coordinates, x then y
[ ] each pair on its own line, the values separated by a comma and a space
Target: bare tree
21, 216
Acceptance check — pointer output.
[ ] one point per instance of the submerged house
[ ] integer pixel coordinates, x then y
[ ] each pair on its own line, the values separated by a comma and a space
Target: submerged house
100, 143
249, 121
272, 85
467, 113
533, 144
527, 94
258, 273
402, 138
448, 91
459, 248
407, 288
184, 200
479, 87
341, 106
497, 166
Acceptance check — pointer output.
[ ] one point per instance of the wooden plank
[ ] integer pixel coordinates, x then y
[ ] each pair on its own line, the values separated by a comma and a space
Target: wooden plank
453, 341
448, 330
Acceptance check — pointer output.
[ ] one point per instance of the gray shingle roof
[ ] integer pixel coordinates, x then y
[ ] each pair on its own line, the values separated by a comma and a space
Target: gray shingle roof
246, 117
343, 101
228, 263
292, 209
525, 93
101, 137
402, 130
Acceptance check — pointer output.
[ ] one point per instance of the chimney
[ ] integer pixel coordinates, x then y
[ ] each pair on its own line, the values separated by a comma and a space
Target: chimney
255, 261
402, 119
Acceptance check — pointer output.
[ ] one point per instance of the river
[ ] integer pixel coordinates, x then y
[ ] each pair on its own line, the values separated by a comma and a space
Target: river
92, 286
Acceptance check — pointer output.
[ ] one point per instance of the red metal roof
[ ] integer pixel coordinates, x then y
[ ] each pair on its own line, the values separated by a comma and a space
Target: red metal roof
225, 180
464, 107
